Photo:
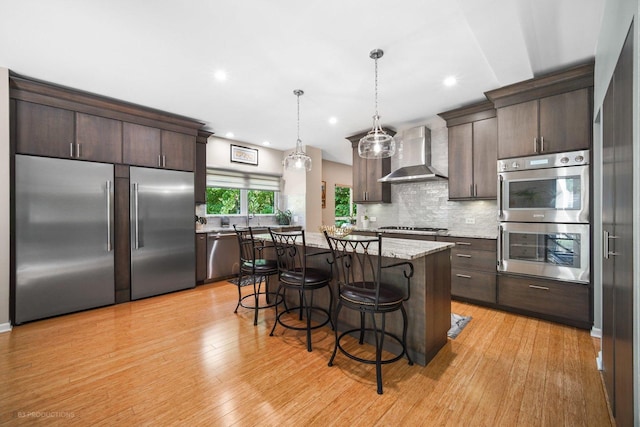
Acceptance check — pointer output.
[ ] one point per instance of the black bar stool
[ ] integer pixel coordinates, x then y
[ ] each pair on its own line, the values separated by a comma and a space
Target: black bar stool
258, 269
294, 275
358, 274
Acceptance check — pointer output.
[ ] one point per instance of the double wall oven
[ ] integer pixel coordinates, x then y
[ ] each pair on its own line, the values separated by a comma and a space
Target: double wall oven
543, 209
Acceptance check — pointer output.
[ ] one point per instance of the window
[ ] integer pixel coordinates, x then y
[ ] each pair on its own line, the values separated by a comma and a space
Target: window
345, 208
237, 193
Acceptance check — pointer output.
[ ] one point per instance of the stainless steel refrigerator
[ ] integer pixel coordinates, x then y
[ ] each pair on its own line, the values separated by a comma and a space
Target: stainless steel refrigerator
64, 236
162, 231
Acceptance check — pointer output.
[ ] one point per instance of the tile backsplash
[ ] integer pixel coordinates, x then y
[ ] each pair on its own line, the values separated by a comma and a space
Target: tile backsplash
426, 204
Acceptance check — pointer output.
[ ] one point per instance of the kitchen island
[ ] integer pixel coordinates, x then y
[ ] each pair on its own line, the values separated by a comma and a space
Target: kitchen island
428, 308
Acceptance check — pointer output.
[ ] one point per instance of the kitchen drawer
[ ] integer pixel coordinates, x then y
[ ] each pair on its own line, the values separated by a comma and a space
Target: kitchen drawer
553, 298
474, 285
470, 243
410, 236
464, 258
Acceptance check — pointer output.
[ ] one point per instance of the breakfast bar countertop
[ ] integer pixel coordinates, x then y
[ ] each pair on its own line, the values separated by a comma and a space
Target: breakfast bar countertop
391, 248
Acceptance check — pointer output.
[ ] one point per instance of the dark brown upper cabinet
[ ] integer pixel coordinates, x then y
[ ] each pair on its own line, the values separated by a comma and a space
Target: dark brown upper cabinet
548, 114
473, 142
366, 188
98, 139
56, 132
43, 130
152, 147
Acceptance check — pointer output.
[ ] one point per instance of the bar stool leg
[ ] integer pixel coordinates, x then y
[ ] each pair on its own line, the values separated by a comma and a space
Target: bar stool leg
335, 329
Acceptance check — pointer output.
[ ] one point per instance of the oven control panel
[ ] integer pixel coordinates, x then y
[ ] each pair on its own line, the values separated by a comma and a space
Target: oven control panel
544, 161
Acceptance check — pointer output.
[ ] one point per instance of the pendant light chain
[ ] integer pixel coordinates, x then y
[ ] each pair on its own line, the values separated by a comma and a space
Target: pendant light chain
298, 140
376, 144
376, 85
298, 160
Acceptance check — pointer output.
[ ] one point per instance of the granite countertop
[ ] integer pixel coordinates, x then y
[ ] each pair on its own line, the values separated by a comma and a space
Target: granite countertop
449, 233
229, 230
391, 248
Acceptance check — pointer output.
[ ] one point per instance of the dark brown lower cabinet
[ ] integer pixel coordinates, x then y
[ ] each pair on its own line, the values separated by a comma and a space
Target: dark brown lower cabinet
201, 257
473, 268
564, 302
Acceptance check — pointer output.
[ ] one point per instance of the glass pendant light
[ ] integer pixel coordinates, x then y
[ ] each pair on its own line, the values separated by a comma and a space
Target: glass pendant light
298, 160
377, 143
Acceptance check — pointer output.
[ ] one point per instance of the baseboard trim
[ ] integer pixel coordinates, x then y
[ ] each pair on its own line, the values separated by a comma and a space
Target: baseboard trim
596, 332
5, 327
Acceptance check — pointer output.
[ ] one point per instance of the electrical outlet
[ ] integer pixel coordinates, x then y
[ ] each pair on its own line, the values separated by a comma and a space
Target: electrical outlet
470, 220
372, 218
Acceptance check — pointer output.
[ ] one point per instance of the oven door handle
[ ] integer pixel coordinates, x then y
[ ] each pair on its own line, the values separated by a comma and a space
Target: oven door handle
500, 240
500, 195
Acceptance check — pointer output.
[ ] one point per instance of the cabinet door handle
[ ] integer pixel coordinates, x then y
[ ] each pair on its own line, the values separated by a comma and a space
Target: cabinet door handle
605, 244
475, 190
463, 243
463, 255
464, 276
535, 145
78, 150
159, 161
542, 288
471, 190
71, 149
109, 246
542, 144
164, 161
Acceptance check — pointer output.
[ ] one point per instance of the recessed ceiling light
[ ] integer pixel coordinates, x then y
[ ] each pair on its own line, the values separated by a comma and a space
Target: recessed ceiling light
450, 81
265, 143
220, 75
229, 135
333, 120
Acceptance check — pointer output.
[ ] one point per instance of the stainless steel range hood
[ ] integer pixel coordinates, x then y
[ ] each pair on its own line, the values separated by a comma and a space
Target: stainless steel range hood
414, 158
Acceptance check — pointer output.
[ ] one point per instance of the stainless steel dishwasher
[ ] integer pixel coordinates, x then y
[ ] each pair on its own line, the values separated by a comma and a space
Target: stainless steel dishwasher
223, 256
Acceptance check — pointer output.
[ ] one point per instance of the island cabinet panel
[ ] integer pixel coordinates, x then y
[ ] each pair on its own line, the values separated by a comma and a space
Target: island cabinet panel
473, 268
561, 301
98, 138
141, 145
43, 130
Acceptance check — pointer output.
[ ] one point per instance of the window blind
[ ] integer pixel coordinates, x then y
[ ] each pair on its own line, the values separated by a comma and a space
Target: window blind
243, 180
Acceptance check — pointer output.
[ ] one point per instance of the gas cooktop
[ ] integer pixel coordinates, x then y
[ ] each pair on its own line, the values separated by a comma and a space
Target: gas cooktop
401, 227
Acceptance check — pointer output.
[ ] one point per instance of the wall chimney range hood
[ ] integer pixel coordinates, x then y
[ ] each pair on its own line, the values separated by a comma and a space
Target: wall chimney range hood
414, 158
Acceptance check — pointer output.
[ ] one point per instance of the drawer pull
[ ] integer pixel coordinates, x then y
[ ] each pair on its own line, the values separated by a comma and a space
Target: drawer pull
463, 243
464, 276
542, 288
463, 256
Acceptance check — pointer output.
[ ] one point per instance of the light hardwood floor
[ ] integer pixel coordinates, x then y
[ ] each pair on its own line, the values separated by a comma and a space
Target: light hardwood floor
187, 359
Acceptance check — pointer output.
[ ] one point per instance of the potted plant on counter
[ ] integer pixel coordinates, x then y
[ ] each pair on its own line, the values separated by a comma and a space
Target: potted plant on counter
283, 217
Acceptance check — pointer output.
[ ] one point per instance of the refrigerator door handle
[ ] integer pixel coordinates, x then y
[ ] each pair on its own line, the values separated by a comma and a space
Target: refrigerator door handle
136, 235
109, 243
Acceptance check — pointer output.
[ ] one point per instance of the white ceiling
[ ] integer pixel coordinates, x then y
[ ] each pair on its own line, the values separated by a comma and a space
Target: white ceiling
164, 53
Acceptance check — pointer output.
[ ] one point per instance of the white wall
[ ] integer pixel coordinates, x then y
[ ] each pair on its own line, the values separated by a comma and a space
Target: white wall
618, 15
4, 196
334, 174
219, 156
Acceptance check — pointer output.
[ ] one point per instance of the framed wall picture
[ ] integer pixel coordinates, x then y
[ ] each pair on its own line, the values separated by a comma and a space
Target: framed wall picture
324, 194
245, 155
